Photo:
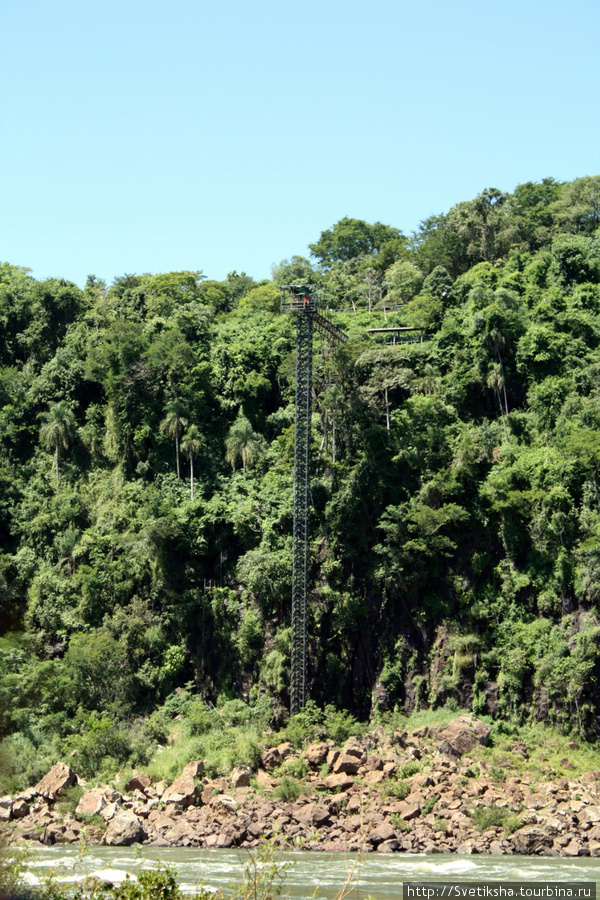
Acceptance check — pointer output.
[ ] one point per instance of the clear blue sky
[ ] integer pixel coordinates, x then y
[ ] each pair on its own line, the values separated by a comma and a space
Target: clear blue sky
147, 137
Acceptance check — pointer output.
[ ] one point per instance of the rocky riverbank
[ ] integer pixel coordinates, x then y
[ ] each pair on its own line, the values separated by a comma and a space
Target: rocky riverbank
419, 792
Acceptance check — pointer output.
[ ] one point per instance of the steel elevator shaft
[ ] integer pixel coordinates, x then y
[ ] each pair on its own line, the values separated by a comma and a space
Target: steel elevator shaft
301, 509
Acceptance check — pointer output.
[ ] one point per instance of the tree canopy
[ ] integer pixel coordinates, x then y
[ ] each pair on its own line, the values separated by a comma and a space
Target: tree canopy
455, 497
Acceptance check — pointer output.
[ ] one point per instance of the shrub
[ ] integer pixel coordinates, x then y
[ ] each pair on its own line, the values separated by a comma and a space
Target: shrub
399, 789
288, 789
494, 817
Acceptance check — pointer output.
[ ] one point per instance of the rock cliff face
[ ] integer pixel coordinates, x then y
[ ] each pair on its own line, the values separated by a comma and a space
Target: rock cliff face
353, 798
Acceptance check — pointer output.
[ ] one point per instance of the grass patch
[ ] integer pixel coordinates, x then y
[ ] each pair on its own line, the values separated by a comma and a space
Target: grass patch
221, 749
432, 718
551, 753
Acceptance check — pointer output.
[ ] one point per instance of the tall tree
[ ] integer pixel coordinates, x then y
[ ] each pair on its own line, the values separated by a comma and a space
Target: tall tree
57, 429
173, 424
190, 445
242, 443
351, 238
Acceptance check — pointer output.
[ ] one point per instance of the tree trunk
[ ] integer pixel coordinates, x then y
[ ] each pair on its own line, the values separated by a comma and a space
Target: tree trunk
387, 410
191, 476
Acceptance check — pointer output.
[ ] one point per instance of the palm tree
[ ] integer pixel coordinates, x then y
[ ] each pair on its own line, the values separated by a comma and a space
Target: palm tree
190, 445
57, 429
242, 443
173, 424
495, 381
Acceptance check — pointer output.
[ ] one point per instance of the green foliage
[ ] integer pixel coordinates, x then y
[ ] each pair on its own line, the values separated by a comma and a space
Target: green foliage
455, 517
289, 789
495, 817
159, 883
399, 789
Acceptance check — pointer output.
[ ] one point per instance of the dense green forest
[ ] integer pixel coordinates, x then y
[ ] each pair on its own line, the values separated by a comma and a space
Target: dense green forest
147, 434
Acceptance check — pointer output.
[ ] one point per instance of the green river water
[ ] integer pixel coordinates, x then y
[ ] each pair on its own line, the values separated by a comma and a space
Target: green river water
311, 874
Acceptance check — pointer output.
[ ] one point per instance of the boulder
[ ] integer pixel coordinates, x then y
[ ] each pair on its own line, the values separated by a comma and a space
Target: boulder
420, 781
313, 814
270, 759
123, 830
91, 803
194, 769
56, 781
285, 749
182, 791
5, 809
240, 777
590, 814
530, 840
374, 777
467, 848
224, 803
462, 734
383, 832
388, 846
109, 811
138, 783
20, 808
407, 811
575, 848
316, 754
346, 764
339, 782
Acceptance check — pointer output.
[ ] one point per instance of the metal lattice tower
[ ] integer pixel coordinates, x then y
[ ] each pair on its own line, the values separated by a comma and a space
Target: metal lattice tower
302, 300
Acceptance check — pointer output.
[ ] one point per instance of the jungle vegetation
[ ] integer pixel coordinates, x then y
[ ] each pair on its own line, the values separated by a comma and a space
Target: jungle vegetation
146, 435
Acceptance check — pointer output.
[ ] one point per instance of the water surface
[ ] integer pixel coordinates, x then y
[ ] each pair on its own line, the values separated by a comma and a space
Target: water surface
308, 873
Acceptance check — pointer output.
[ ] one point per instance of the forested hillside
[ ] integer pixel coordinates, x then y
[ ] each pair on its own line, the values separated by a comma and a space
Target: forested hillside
147, 433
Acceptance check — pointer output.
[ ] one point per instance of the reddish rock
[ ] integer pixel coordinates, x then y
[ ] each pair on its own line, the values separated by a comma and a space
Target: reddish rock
374, 777
194, 769
407, 811
332, 757
462, 734
594, 848
575, 848
240, 777
271, 759
389, 846
124, 830
6, 809
590, 814
312, 814
182, 791
56, 781
91, 803
467, 848
316, 754
20, 808
138, 783
346, 764
531, 839
335, 846
223, 803
383, 832
420, 781
421, 732
341, 782
352, 749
